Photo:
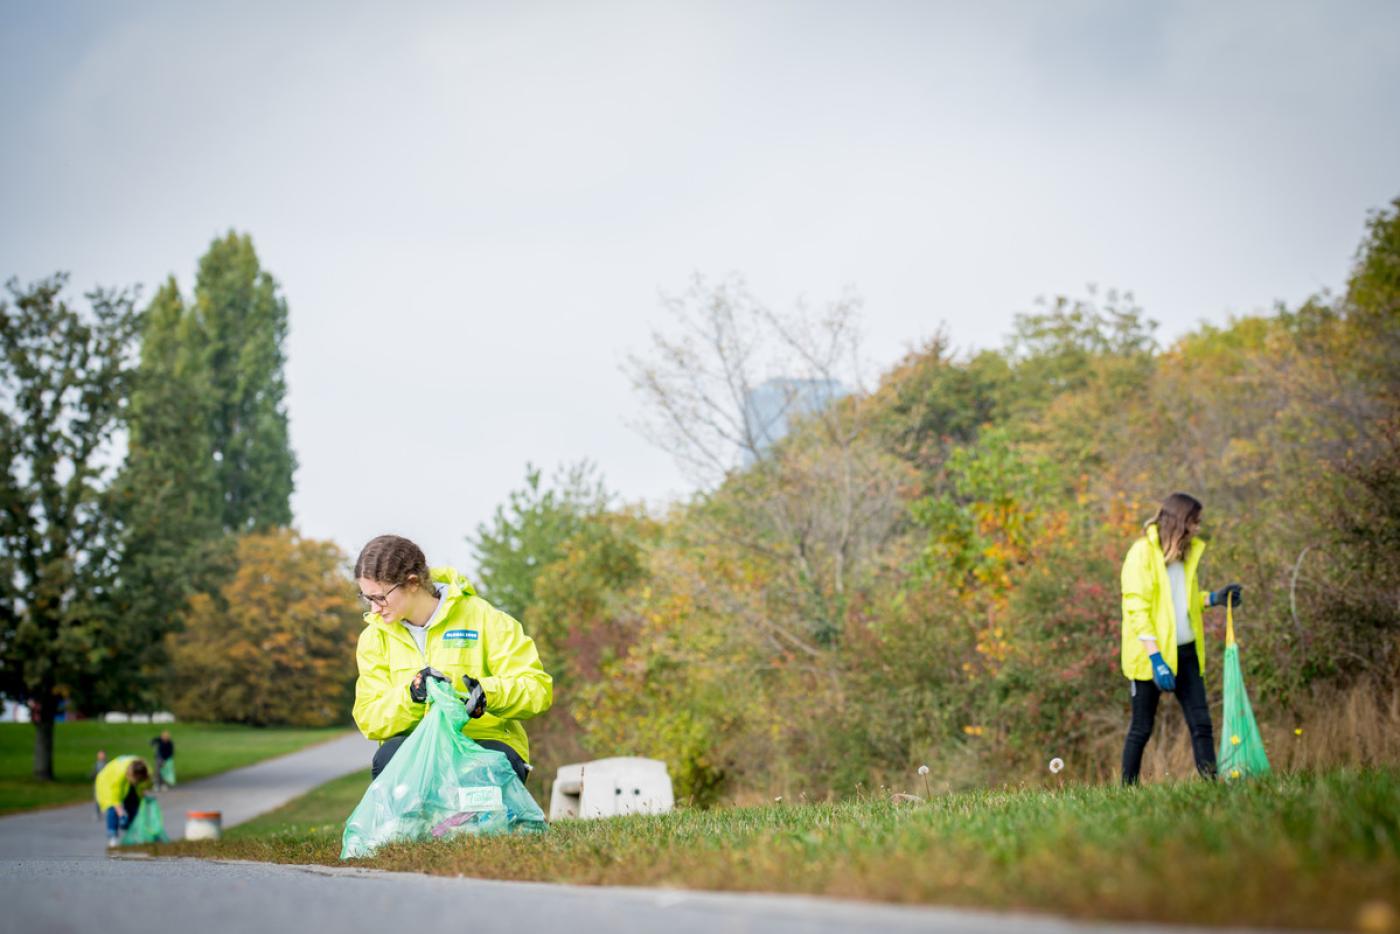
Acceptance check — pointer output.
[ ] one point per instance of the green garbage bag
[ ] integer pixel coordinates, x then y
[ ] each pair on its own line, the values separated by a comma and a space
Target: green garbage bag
1241, 747
440, 784
167, 772
148, 826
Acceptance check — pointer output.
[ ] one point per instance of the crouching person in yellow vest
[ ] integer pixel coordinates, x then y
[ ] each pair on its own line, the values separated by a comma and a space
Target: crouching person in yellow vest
423, 624
118, 789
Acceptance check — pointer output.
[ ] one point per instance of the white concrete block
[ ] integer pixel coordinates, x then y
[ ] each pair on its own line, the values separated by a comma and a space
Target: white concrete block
610, 787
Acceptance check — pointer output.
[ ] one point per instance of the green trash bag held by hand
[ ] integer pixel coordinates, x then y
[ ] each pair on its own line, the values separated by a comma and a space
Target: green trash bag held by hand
439, 784
1241, 746
148, 826
167, 772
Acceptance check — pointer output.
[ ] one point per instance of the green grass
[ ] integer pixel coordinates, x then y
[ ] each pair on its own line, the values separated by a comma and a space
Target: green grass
200, 749
318, 814
1288, 850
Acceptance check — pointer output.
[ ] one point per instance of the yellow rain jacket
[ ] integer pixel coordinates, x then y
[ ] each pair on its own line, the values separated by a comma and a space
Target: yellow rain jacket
467, 636
1148, 609
111, 785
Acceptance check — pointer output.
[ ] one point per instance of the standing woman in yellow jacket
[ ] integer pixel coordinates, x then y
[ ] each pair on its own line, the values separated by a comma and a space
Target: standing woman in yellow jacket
1163, 634
423, 624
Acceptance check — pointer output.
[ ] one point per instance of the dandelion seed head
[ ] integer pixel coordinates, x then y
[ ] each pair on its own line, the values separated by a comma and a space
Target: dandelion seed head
1056, 765
923, 770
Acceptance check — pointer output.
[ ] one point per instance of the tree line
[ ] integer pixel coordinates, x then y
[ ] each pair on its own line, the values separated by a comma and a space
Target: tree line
922, 570
925, 570
146, 554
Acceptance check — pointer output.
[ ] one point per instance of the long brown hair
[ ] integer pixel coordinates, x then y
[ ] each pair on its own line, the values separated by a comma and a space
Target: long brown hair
393, 559
1172, 518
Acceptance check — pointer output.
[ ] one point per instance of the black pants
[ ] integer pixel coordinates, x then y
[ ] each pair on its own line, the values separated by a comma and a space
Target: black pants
391, 745
1191, 694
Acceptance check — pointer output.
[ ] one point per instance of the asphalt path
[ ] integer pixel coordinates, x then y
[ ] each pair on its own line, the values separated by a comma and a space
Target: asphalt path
137, 896
56, 876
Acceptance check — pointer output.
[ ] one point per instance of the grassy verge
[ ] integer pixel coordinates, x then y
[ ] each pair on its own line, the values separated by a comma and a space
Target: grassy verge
1291, 850
319, 815
200, 749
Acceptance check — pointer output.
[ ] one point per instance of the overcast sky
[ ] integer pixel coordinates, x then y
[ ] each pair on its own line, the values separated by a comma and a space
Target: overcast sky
473, 208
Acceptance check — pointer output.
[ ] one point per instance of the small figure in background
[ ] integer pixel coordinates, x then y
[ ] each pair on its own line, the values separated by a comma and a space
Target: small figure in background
98, 766
165, 760
118, 790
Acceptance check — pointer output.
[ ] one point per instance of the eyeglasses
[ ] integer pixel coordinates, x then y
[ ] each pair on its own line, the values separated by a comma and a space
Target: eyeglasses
379, 599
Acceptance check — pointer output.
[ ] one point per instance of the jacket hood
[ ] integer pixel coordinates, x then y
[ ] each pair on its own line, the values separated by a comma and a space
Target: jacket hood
455, 582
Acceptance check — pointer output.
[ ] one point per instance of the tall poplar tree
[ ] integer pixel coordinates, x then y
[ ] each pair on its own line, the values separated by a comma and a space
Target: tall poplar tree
245, 322
167, 496
208, 457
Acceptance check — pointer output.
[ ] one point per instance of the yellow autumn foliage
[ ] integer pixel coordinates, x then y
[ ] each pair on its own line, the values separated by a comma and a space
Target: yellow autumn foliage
276, 643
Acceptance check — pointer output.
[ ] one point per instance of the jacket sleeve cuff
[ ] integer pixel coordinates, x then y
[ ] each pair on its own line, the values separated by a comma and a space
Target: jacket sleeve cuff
491, 687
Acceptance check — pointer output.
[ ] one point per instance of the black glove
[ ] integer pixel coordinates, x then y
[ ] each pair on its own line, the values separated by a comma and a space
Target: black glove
418, 688
475, 701
1234, 593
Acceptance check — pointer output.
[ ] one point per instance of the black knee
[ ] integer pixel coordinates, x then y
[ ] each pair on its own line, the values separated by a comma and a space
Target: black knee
384, 753
522, 771
1139, 733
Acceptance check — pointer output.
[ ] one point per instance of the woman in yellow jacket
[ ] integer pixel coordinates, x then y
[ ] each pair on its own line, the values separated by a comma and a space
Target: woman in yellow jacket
1163, 634
423, 624
118, 789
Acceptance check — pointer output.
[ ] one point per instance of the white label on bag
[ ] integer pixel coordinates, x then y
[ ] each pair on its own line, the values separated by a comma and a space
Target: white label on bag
481, 798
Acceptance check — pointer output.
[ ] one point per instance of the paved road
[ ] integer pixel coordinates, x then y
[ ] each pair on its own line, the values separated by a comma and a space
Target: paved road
137, 896
56, 876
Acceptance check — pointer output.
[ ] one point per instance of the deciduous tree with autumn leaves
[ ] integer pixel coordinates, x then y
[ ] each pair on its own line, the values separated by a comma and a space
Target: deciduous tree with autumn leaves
275, 644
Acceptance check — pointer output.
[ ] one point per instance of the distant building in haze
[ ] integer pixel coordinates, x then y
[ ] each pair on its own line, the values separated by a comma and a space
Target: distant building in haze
770, 408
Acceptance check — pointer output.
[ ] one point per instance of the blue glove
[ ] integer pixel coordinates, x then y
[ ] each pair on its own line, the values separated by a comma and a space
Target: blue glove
1233, 593
1162, 673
